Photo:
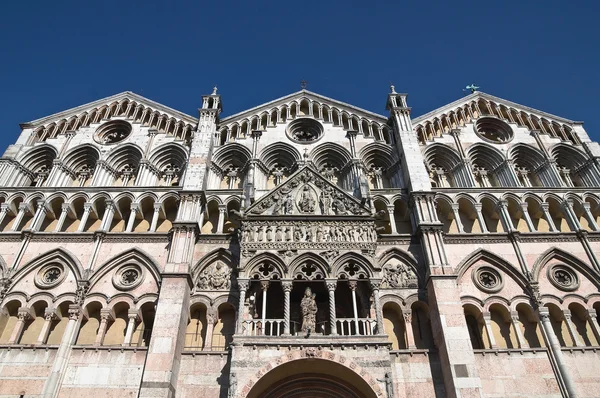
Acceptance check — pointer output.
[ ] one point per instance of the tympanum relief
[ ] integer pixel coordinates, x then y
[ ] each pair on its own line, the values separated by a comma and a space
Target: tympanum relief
216, 276
397, 275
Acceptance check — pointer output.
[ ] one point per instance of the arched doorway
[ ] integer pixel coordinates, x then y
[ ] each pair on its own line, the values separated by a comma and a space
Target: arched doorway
311, 378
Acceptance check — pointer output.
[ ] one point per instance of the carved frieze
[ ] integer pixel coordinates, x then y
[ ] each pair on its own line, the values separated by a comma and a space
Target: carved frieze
294, 235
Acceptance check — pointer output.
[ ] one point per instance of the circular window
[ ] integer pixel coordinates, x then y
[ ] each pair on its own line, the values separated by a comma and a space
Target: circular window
563, 277
50, 276
493, 130
112, 132
128, 277
487, 279
305, 131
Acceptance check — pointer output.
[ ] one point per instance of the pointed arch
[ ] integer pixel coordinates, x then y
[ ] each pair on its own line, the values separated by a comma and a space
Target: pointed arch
210, 257
342, 266
279, 269
320, 271
402, 256
58, 255
555, 253
493, 259
134, 255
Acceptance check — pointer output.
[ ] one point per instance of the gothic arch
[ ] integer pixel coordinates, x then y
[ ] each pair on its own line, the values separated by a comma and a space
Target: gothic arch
280, 154
59, 255
405, 258
361, 266
234, 154
134, 255
330, 154
221, 254
555, 253
320, 271
493, 259
252, 268
377, 154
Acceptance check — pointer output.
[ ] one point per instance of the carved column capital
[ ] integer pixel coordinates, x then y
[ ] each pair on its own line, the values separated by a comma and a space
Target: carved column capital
286, 285
331, 284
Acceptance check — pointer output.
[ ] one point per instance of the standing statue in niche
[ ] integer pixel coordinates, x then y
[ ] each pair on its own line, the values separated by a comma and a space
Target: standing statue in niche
389, 384
325, 202
289, 204
308, 305
307, 201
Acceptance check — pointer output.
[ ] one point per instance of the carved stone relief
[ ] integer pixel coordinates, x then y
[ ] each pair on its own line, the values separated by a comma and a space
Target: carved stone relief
398, 275
307, 193
216, 276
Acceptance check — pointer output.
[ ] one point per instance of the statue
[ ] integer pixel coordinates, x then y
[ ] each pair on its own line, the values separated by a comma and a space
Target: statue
233, 385
309, 311
289, 204
217, 277
339, 207
389, 384
325, 202
307, 201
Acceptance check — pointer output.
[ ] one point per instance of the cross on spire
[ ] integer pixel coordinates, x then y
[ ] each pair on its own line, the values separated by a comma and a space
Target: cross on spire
303, 84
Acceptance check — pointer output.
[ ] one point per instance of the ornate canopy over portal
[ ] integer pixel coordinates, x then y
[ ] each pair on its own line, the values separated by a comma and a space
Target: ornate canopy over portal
307, 212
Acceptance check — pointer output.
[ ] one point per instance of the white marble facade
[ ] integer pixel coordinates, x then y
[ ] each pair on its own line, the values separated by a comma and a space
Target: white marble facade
146, 252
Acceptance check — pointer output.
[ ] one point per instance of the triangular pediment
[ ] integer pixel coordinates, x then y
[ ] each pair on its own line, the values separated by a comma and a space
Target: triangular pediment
477, 96
123, 101
297, 98
307, 193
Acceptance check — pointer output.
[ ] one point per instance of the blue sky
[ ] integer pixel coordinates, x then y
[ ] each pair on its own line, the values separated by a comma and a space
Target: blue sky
57, 55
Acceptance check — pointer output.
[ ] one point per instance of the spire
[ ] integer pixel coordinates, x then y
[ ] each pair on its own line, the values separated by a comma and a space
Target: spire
214, 90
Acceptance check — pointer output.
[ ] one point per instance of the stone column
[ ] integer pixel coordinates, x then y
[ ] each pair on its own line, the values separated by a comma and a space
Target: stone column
514, 317
545, 208
109, 214
593, 320
353, 285
3, 211
588, 215
390, 209
502, 208
222, 209
525, 211
157, 207
135, 207
456, 212
487, 322
49, 317
287, 289
23, 316
22, 209
264, 286
87, 208
105, 317
210, 327
168, 335
133, 318
63, 216
574, 336
480, 218
62, 355
40, 215
410, 337
555, 350
375, 284
331, 286
242, 287
567, 207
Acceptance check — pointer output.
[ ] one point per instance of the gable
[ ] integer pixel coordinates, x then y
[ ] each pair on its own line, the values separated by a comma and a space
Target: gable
299, 101
126, 105
307, 193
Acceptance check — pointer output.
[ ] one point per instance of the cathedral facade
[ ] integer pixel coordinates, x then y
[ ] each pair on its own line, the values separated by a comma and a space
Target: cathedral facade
301, 248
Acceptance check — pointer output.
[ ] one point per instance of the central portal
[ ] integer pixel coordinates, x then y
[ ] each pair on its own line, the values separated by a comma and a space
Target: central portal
311, 386
311, 378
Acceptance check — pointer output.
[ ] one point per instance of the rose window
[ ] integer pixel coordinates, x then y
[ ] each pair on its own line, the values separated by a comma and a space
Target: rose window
487, 279
129, 277
304, 130
113, 132
51, 275
563, 277
493, 130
